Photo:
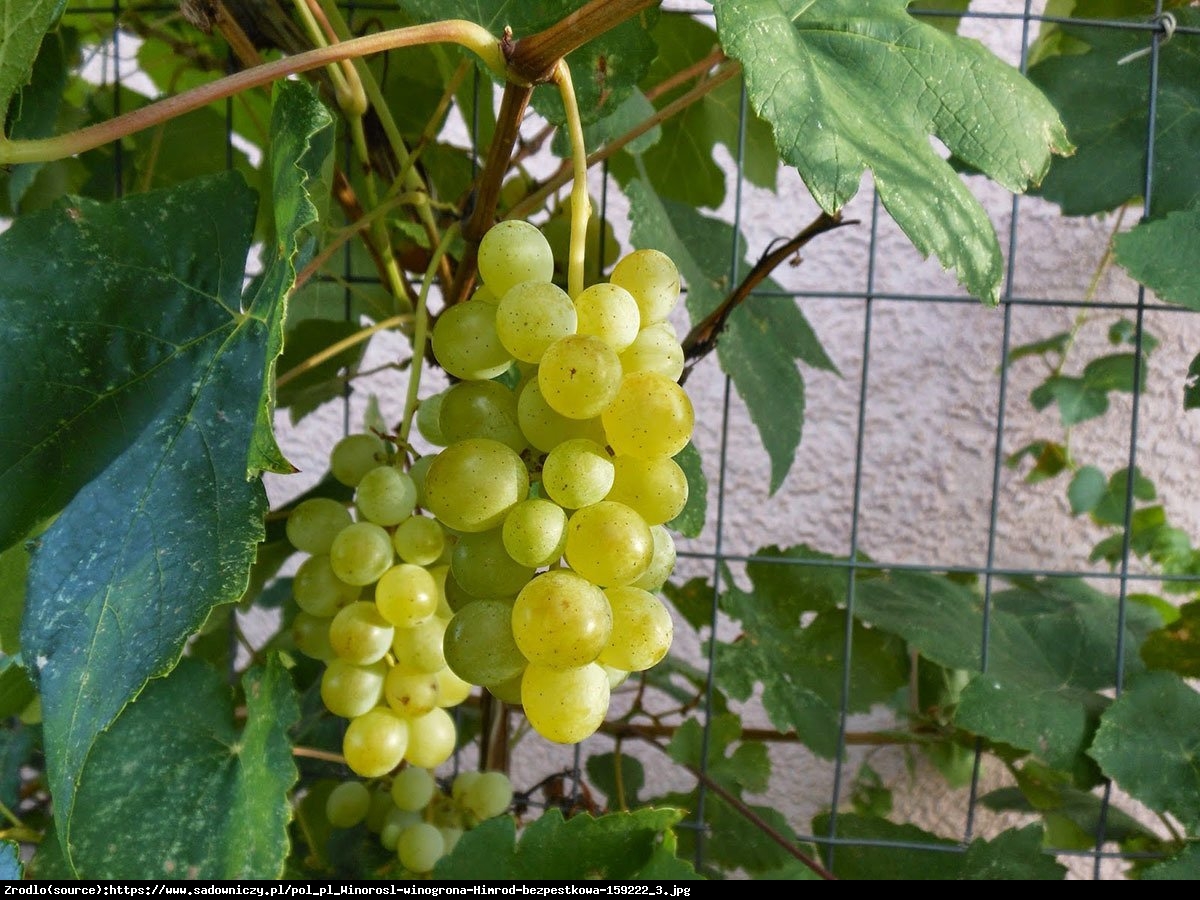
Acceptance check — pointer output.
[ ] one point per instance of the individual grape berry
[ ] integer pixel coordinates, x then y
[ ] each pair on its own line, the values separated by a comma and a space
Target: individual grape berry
653, 279
375, 742
466, 343
413, 788
471, 485
385, 496
608, 543
565, 705
347, 804
489, 795
651, 415
355, 455
314, 524
361, 552
511, 252
561, 620
419, 847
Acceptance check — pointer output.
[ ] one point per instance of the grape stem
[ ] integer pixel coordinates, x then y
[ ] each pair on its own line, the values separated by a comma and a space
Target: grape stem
581, 204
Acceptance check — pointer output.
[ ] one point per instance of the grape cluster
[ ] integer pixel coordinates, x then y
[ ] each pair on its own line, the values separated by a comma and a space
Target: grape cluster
556, 477
414, 816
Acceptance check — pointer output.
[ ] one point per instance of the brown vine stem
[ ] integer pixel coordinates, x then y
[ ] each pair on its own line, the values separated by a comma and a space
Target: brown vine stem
702, 339
533, 58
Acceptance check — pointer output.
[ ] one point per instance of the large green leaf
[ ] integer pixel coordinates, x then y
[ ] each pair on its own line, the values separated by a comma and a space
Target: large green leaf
763, 338
1176, 646
145, 336
23, 24
177, 790
1183, 867
850, 85
36, 109
1161, 254
617, 846
1105, 105
1149, 744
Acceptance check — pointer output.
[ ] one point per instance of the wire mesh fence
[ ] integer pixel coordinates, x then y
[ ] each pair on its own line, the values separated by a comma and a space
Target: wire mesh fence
922, 440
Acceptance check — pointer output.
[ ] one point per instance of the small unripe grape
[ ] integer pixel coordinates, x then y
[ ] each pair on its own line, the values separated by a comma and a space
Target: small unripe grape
413, 788
419, 847
312, 526
317, 590
347, 804
479, 643
310, 634
488, 795
355, 455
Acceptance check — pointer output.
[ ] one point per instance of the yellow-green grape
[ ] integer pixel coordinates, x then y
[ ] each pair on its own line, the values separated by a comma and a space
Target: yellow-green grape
616, 677
462, 783
406, 595
485, 294
532, 316
410, 694
489, 795
481, 409
545, 428
655, 349
472, 484
656, 487
361, 552
310, 634
641, 631
608, 543
419, 847
441, 574
394, 823
508, 691
359, 634
413, 788
481, 566
452, 690
429, 420
565, 705
385, 496
579, 376
561, 620
374, 743
349, 690
466, 344
347, 804
312, 526
431, 739
650, 416
513, 251
479, 644
317, 590
662, 561
652, 278
578, 472
355, 455
457, 597
417, 473
535, 532
419, 649
419, 540
609, 312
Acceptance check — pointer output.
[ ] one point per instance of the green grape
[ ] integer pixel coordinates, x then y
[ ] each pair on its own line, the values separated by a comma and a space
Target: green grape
466, 343
561, 620
656, 487
431, 738
417, 473
381, 807
318, 591
355, 455
361, 552
452, 690
406, 595
513, 251
419, 847
578, 472
652, 278
314, 523
429, 420
462, 783
662, 561
349, 690
608, 543
440, 573
655, 349
359, 634
508, 691
485, 294
385, 496
532, 316
489, 795
419, 649
413, 788
545, 428
456, 596
481, 566
394, 824
641, 630
410, 694
419, 540
472, 484
482, 409
609, 312
479, 644
347, 804
579, 376
375, 742
565, 705
535, 532
310, 634
615, 676
650, 416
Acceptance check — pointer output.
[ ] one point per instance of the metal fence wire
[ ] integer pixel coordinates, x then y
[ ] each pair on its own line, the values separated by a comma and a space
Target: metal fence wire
910, 456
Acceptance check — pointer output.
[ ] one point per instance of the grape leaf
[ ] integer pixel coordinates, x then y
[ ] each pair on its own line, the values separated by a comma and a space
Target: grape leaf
143, 337
763, 338
36, 109
617, 846
924, 10
1161, 254
184, 791
1183, 867
1104, 105
1176, 646
1015, 854
23, 25
1148, 743
11, 868
690, 521
850, 85
16, 691
1082, 809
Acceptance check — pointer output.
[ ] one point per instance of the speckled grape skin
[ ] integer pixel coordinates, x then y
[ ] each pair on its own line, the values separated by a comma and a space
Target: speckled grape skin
653, 279
511, 252
561, 620
565, 705
471, 485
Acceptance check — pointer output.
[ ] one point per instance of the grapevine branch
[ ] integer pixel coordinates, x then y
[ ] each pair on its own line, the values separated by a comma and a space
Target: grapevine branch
702, 339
